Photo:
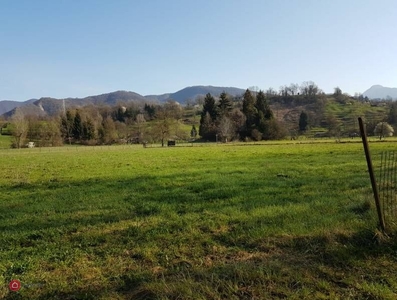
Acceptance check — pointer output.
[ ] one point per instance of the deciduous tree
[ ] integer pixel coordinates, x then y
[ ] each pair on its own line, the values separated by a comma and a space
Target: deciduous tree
162, 128
107, 132
19, 128
238, 119
173, 109
383, 129
139, 128
225, 129
309, 89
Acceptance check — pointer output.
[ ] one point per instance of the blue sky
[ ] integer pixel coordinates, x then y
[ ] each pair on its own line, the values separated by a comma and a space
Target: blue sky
70, 48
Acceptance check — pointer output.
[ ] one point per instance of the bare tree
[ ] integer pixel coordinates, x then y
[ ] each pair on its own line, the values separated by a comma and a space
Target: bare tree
20, 128
121, 130
293, 88
173, 109
270, 92
238, 119
108, 132
200, 99
309, 88
225, 129
140, 127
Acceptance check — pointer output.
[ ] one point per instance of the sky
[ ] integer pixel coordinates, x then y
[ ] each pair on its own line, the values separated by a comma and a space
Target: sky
70, 48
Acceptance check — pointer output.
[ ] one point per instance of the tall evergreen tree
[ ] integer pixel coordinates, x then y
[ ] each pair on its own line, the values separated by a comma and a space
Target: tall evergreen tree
88, 130
225, 104
67, 123
262, 105
207, 129
210, 107
249, 110
208, 118
77, 126
392, 117
303, 121
150, 110
118, 114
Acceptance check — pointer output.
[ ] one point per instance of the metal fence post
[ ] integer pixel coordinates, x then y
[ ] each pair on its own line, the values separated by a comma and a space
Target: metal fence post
371, 173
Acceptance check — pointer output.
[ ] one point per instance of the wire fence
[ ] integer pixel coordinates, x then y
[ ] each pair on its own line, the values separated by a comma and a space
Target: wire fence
387, 187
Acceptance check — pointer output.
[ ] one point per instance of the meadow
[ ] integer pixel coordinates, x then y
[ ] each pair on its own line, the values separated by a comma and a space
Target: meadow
5, 141
219, 221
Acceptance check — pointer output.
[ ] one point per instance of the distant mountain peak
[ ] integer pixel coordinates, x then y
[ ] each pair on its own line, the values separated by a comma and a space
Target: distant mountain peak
380, 92
376, 86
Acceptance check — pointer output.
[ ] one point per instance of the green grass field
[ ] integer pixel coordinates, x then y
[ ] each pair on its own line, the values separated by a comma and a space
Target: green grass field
5, 141
263, 221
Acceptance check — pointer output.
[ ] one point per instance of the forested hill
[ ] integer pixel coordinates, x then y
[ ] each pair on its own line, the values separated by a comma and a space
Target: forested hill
52, 105
7, 105
190, 94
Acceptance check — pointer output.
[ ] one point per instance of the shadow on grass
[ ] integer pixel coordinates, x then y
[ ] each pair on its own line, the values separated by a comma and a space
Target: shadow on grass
251, 266
338, 266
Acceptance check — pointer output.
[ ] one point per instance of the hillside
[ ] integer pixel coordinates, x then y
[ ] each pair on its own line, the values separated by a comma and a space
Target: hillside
159, 98
7, 105
192, 92
52, 106
328, 116
325, 112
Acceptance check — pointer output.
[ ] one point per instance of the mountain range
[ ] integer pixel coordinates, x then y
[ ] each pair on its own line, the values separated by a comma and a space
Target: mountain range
52, 106
7, 105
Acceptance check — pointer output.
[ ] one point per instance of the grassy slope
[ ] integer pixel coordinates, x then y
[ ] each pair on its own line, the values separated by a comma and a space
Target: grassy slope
221, 222
350, 111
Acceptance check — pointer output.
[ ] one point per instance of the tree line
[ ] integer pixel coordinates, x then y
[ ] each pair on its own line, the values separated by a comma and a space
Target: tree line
225, 118
91, 125
220, 121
